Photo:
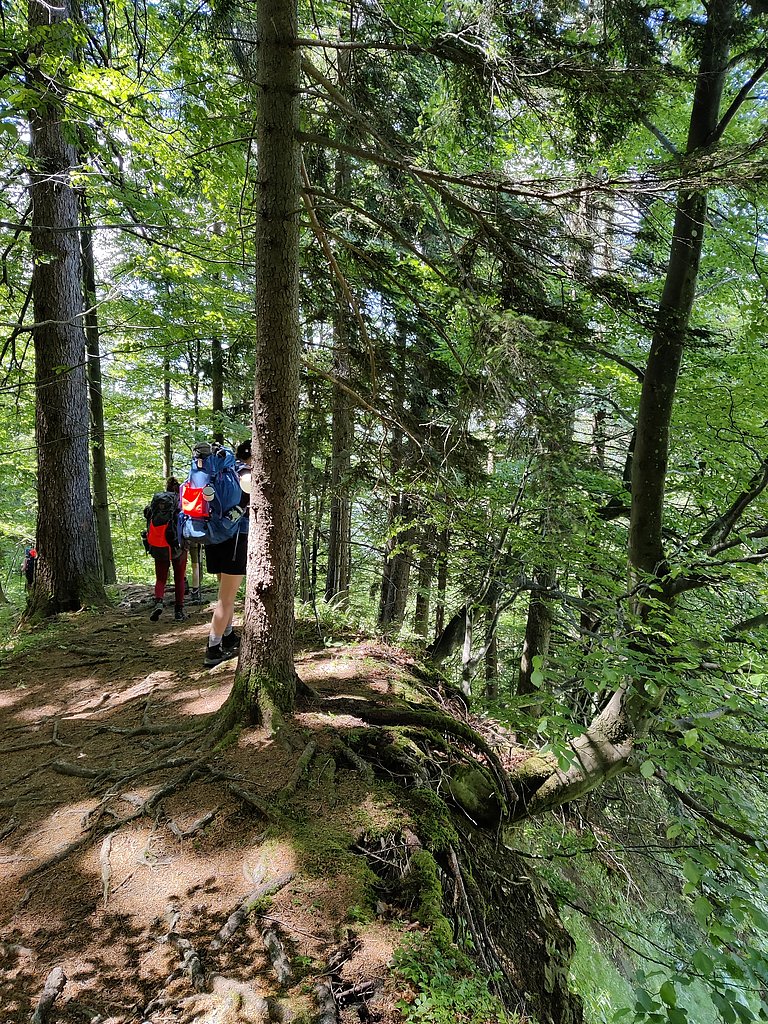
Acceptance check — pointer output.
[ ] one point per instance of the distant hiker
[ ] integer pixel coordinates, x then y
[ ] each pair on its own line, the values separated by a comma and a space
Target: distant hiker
228, 560
28, 566
162, 542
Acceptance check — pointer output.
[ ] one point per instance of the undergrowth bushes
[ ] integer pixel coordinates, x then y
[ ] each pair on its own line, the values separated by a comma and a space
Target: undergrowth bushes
445, 988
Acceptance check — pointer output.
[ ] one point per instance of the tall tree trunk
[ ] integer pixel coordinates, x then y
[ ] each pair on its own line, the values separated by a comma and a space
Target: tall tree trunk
342, 435
68, 574
424, 586
167, 434
397, 565
265, 680
538, 630
217, 370
649, 464
397, 556
492, 646
98, 437
606, 746
306, 524
443, 544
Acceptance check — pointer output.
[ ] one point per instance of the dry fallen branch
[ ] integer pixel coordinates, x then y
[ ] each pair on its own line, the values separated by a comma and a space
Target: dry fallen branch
347, 995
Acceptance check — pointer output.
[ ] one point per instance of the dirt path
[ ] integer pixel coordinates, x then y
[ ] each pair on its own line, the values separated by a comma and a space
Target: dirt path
145, 882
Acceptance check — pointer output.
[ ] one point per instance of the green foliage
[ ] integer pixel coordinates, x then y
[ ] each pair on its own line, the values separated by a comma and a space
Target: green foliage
491, 193
447, 990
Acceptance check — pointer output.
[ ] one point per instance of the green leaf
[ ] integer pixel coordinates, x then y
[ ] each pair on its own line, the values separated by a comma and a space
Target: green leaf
677, 1015
703, 962
702, 909
645, 1000
667, 993
647, 768
692, 871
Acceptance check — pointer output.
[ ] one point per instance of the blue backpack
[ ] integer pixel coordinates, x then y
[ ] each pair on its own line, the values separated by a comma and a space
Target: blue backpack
211, 511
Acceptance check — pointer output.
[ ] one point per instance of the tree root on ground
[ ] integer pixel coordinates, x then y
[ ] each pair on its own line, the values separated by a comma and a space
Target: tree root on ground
431, 720
239, 916
54, 983
213, 988
301, 768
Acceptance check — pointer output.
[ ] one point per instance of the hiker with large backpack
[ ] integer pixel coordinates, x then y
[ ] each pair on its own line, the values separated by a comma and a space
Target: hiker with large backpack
161, 540
215, 512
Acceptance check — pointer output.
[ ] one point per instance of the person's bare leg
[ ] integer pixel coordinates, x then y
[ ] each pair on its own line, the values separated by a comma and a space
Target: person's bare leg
224, 611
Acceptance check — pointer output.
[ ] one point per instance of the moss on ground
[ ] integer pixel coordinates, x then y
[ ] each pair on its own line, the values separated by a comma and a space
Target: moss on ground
436, 829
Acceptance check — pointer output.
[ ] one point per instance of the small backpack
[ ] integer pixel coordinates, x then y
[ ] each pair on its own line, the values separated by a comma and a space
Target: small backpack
211, 511
160, 537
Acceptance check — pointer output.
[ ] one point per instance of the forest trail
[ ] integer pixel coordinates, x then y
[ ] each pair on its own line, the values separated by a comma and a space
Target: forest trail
144, 882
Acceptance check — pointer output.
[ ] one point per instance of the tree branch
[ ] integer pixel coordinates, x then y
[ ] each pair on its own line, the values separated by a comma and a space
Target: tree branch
693, 804
739, 100
717, 532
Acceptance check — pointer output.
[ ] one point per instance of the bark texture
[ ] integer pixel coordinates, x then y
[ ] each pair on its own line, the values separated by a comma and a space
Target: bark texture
98, 436
68, 574
342, 438
649, 463
265, 681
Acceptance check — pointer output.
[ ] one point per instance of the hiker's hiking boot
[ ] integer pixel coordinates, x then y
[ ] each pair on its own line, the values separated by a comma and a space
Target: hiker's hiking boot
195, 597
213, 656
216, 654
230, 644
156, 612
179, 614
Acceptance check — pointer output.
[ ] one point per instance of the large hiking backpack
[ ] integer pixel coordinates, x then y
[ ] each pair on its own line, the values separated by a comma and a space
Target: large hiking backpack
160, 537
210, 497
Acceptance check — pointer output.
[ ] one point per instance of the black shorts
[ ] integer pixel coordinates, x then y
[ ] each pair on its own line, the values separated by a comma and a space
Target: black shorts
230, 557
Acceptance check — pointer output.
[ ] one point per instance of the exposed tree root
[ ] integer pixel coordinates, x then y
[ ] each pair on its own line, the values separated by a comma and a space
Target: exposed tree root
253, 801
195, 827
326, 1004
479, 942
359, 763
240, 915
433, 720
106, 867
54, 983
10, 827
301, 767
275, 947
191, 963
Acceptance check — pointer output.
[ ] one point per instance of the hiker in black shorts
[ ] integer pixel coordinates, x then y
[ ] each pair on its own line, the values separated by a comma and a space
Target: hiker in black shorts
228, 560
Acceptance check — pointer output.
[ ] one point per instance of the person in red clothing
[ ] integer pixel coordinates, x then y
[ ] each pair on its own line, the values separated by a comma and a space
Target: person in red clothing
164, 548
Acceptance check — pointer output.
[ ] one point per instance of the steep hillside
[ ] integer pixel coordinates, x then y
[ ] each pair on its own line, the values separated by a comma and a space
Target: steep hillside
320, 875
